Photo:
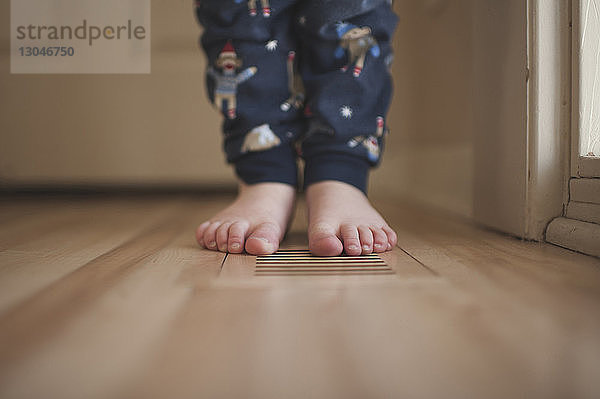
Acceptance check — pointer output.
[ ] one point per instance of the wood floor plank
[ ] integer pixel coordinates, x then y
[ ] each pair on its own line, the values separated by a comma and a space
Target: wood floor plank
468, 313
45, 258
70, 294
426, 339
437, 242
117, 325
521, 280
238, 267
41, 224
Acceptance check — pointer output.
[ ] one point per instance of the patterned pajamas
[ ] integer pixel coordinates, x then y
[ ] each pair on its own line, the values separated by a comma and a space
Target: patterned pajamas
300, 78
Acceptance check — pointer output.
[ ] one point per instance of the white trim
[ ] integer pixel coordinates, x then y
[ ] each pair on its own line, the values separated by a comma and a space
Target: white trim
549, 51
588, 167
585, 190
576, 235
575, 56
584, 211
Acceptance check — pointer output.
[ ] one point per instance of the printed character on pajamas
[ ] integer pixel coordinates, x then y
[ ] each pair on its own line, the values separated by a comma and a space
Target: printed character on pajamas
266, 7
260, 138
370, 142
227, 81
295, 85
358, 42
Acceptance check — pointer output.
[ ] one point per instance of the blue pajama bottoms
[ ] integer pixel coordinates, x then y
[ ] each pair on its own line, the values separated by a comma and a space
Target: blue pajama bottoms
303, 79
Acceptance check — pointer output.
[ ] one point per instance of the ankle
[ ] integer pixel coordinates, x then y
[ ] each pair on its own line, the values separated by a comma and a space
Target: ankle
326, 188
269, 189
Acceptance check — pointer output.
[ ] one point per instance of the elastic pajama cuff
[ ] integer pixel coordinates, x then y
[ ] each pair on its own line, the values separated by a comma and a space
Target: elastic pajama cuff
277, 165
339, 167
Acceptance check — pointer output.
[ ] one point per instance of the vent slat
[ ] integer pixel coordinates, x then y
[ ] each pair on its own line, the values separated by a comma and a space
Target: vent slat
366, 257
302, 263
325, 269
381, 273
307, 253
307, 266
322, 264
319, 260
316, 261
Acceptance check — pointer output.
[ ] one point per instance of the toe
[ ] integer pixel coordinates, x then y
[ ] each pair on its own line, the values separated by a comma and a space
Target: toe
350, 239
264, 240
323, 241
210, 239
222, 236
380, 240
366, 239
392, 237
237, 235
200, 233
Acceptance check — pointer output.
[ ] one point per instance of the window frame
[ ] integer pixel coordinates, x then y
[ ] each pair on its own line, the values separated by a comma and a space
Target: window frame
581, 166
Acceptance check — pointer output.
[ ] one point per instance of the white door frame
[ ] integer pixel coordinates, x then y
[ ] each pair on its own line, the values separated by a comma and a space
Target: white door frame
522, 80
549, 112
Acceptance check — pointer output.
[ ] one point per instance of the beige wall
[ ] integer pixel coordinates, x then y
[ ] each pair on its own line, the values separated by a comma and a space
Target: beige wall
92, 129
455, 74
459, 139
429, 154
500, 114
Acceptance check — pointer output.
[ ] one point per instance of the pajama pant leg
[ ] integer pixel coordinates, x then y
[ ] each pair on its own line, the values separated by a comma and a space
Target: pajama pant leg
344, 59
345, 67
250, 46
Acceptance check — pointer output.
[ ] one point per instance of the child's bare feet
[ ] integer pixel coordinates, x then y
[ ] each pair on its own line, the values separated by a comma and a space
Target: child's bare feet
342, 219
256, 221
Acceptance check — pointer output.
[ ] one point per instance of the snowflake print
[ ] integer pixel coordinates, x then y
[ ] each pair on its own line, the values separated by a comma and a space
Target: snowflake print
346, 112
302, 20
272, 45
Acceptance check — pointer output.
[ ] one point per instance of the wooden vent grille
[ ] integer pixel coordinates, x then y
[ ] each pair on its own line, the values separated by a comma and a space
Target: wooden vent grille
292, 262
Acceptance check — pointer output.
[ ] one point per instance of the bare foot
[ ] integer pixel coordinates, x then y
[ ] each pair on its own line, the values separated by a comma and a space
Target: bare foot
256, 221
340, 218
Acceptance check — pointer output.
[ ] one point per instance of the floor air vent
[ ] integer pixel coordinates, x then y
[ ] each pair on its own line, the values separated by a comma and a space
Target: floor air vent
292, 262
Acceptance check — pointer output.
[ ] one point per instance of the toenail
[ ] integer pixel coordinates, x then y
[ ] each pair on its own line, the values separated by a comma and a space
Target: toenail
366, 247
352, 247
212, 244
389, 246
268, 246
260, 239
379, 246
235, 246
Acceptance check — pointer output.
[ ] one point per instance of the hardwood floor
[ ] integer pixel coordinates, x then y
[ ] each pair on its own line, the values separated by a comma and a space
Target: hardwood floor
110, 297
